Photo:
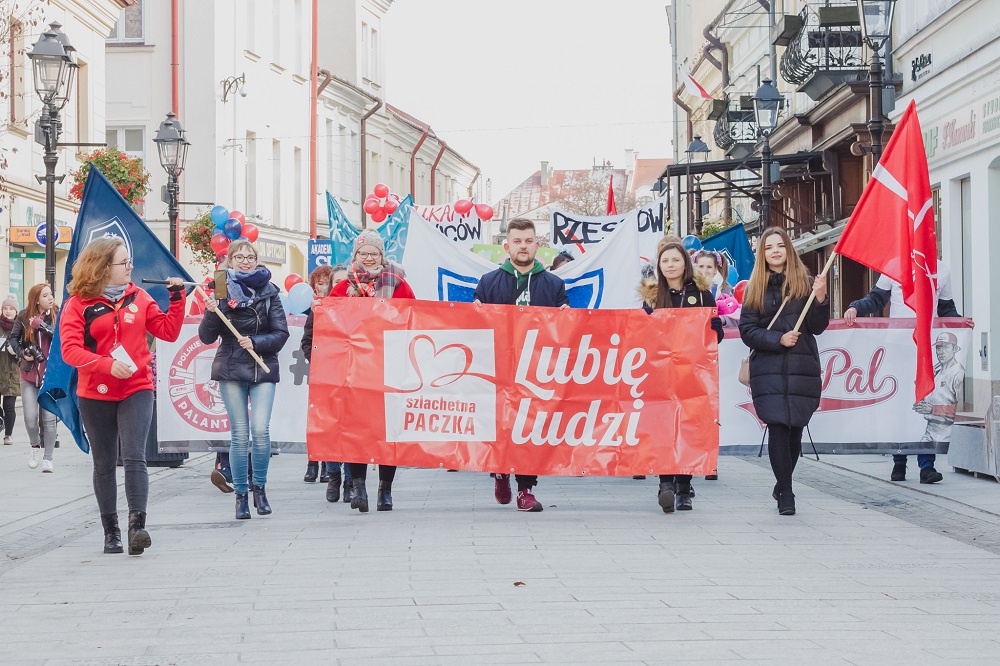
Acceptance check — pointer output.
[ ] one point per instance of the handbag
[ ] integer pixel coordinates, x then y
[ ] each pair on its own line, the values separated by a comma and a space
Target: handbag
745, 365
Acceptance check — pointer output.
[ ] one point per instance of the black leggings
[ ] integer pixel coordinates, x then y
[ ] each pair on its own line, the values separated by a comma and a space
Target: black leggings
682, 480
9, 415
386, 473
784, 446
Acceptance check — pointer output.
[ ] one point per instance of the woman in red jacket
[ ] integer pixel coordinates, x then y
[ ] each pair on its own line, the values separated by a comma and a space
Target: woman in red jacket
103, 332
372, 275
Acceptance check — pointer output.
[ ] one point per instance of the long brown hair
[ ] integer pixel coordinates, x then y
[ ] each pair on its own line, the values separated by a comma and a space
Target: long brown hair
796, 275
662, 288
92, 268
31, 310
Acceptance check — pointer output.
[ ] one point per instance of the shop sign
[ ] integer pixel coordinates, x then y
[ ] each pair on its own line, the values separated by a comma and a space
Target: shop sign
976, 124
920, 67
26, 235
272, 252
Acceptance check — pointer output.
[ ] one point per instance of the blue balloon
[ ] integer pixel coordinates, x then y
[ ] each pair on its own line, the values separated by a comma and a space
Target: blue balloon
219, 215
233, 229
300, 298
284, 302
691, 243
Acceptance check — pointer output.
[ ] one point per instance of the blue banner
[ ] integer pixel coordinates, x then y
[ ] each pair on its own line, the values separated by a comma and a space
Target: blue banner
734, 244
103, 212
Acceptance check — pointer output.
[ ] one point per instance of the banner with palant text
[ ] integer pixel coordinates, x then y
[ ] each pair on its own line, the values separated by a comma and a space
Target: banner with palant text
522, 390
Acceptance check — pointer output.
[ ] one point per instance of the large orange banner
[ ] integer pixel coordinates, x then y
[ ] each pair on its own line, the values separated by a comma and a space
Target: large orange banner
500, 388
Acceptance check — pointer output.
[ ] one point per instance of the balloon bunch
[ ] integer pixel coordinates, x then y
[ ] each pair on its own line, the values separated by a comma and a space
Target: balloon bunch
230, 226
381, 203
300, 295
483, 211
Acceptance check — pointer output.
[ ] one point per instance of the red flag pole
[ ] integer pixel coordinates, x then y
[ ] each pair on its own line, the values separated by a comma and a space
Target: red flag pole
812, 294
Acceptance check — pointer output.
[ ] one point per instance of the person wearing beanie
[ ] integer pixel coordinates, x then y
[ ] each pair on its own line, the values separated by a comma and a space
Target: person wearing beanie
371, 275
10, 384
31, 337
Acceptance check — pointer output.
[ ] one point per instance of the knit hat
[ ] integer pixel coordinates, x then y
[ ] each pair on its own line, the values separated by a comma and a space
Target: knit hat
369, 237
9, 302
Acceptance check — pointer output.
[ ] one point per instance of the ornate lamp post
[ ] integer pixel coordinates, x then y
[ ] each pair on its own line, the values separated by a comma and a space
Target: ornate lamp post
696, 147
876, 27
172, 148
767, 103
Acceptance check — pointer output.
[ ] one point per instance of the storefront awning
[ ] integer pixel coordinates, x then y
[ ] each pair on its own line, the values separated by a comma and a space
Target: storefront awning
823, 235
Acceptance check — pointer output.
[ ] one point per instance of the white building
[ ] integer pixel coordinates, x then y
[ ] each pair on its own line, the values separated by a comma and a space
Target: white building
22, 199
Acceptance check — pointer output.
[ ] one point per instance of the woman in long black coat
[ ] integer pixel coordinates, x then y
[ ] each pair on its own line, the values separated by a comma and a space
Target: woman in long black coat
784, 364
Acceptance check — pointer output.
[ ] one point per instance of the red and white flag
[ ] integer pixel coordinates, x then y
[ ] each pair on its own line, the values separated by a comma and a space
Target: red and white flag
693, 88
892, 231
612, 208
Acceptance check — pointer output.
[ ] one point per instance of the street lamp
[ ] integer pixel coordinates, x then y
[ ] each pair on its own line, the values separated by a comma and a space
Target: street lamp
173, 148
876, 27
767, 103
696, 147
54, 67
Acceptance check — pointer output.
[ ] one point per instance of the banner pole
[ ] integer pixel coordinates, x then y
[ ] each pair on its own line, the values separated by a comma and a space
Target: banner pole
204, 296
812, 294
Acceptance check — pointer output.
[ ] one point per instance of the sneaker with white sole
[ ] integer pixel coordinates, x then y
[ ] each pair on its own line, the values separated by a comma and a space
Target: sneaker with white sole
33, 458
7, 441
47, 466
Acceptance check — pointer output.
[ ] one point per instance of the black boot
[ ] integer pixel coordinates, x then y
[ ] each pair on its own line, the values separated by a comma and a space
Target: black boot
384, 497
312, 469
112, 534
665, 497
930, 475
359, 499
333, 488
260, 501
348, 490
324, 475
242, 507
684, 495
898, 472
786, 503
138, 537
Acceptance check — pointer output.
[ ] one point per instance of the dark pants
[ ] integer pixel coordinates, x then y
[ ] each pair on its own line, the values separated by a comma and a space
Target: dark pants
525, 482
924, 460
9, 415
386, 473
683, 481
108, 422
784, 446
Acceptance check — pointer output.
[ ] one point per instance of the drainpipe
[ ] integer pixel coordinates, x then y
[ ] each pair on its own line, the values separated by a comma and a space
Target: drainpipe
413, 161
313, 120
364, 158
714, 43
687, 110
444, 147
479, 172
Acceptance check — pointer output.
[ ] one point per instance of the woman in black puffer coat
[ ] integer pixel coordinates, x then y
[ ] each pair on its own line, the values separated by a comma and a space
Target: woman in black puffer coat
254, 308
784, 364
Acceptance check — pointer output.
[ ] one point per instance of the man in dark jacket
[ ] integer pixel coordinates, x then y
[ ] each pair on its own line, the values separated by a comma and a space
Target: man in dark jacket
521, 280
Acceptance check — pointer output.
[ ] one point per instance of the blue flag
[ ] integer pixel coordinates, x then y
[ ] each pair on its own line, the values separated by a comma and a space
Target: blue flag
103, 212
342, 233
735, 246
394, 229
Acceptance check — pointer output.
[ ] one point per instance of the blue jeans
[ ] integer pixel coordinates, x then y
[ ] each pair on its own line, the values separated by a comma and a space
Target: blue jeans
924, 460
334, 468
245, 417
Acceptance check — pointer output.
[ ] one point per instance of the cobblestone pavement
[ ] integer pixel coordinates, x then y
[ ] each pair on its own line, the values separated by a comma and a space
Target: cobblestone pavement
867, 572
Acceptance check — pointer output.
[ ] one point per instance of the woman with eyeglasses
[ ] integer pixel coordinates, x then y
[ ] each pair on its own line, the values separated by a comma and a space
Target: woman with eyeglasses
255, 310
371, 275
103, 335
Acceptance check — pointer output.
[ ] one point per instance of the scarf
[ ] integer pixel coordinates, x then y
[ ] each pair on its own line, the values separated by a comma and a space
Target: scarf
114, 292
381, 283
243, 286
6, 324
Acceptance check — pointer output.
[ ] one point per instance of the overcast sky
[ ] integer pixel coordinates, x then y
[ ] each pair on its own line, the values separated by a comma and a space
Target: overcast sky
511, 83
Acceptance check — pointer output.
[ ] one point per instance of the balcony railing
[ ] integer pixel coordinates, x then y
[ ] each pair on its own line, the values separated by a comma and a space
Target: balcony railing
827, 51
736, 126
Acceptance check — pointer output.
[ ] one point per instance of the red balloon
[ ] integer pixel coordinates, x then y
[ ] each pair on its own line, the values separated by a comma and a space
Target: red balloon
219, 258
395, 197
371, 205
292, 280
390, 206
238, 215
251, 232
379, 215
739, 289
463, 206
484, 212
219, 243
381, 191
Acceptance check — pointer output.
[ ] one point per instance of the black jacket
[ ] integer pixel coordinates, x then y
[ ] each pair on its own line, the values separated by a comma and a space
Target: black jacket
498, 287
264, 322
307, 336
785, 381
695, 294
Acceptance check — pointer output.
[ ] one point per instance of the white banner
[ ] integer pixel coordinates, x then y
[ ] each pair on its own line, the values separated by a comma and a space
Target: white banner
464, 230
581, 234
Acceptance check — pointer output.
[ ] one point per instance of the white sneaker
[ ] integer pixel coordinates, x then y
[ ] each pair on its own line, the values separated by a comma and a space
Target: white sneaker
33, 458
47, 466
7, 441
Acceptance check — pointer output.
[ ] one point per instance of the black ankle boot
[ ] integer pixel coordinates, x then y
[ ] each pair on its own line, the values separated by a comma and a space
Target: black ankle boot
684, 495
312, 469
384, 497
333, 488
898, 472
242, 507
665, 496
112, 534
786, 503
138, 537
324, 475
359, 499
348, 490
260, 501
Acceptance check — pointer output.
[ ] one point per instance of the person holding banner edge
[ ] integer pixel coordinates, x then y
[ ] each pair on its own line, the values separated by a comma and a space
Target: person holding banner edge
785, 381
103, 335
677, 285
521, 280
254, 309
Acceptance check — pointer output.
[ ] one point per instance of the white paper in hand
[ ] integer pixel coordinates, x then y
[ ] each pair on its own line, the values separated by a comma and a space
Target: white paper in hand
119, 354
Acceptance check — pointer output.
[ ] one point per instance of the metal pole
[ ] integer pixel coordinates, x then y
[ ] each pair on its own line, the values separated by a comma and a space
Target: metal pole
697, 207
173, 192
875, 125
765, 185
50, 125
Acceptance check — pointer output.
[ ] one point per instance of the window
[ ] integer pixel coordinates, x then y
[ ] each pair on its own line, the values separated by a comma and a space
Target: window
129, 140
15, 71
276, 24
276, 182
329, 156
251, 206
82, 108
365, 71
936, 210
299, 221
250, 7
374, 57
129, 27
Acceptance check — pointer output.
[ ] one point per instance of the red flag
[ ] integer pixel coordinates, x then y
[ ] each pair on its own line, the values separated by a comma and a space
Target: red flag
691, 84
612, 209
892, 231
